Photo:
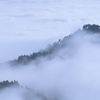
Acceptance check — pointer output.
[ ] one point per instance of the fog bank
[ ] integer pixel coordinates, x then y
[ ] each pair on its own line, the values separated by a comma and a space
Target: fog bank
73, 72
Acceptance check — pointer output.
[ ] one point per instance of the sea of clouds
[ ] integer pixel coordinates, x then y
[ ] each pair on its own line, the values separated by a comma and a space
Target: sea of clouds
28, 26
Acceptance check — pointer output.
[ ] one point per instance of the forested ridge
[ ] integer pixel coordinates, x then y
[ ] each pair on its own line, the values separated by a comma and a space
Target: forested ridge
55, 47
28, 93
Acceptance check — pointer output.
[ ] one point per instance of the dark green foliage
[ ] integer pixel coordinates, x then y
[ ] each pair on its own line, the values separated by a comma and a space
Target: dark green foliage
92, 28
24, 59
6, 83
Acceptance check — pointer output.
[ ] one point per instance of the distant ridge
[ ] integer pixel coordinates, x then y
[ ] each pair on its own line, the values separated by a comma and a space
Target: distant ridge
56, 46
28, 93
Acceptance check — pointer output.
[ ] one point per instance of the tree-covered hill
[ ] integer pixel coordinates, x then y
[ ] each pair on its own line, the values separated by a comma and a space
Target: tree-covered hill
55, 47
24, 93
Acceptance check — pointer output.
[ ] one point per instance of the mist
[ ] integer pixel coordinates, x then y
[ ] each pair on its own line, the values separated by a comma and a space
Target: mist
72, 73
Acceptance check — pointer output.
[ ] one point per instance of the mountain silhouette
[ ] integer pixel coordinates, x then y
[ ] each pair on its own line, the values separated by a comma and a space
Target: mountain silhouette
52, 50
27, 93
